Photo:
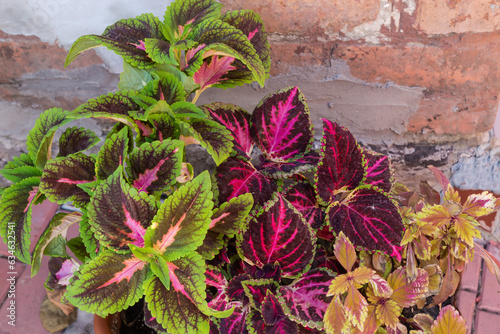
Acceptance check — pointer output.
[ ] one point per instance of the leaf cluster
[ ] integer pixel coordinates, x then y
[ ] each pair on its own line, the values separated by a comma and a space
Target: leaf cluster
280, 238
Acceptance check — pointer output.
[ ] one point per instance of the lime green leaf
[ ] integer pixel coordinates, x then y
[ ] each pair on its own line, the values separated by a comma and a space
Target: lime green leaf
183, 219
56, 247
39, 141
20, 173
110, 283
183, 16
160, 268
77, 246
15, 217
213, 136
133, 78
58, 226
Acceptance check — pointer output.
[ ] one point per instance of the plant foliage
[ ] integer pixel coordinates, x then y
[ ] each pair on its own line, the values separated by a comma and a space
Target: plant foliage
280, 238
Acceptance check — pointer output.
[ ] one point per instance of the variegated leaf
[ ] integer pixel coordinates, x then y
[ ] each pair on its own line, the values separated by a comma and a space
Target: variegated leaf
62, 176
345, 252
108, 284
153, 167
74, 140
281, 170
405, 293
449, 321
378, 170
229, 217
15, 217
235, 177
302, 196
212, 136
182, 16
118, 214
283, 127
177, 309
305, 300
39, 140
112, 153
341, 164
335, 318
238, 121
278, 234
236, 322
251, 25
183, 219
58, 226
274, 317
370, 220
126, 38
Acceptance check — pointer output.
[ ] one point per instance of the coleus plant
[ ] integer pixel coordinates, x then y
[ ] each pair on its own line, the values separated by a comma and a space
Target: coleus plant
280, 238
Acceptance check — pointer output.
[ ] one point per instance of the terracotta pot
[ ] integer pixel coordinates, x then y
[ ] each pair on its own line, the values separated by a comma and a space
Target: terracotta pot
109, 325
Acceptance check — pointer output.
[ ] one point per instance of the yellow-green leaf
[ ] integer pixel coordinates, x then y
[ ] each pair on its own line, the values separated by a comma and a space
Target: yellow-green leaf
452, 195
339, 285
335, 319
362, 275
388, 312
371, 323
344, 251
449, 321
478, 205
406, 293
436, 215
356, 308
466, 229
380, 286
425, 321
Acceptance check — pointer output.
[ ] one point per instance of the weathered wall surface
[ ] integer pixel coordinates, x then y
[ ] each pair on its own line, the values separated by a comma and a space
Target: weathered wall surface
416, 79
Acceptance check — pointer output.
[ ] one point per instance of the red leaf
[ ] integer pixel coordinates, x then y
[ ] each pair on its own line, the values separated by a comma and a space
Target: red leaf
210, 74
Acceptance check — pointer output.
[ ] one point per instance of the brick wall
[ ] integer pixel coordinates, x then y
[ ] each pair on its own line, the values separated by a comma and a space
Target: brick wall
416, 79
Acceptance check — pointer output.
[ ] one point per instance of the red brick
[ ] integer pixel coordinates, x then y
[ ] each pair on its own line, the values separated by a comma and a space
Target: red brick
471, 275
309, 17
460, 75
21, 54
466, 305
487, 323
490, 294
456, 16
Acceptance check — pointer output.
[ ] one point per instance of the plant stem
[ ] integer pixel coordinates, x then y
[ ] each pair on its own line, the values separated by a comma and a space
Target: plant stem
196, 96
